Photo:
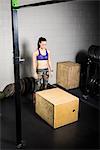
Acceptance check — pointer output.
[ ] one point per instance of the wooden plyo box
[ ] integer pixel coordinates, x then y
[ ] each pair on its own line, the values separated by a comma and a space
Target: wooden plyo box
57, 107
68, 74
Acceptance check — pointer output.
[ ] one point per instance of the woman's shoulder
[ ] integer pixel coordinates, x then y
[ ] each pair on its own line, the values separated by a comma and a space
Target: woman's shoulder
36, 52
48, 51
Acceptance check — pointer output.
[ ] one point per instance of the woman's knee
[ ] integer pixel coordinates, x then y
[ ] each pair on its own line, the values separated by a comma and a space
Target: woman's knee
37, 85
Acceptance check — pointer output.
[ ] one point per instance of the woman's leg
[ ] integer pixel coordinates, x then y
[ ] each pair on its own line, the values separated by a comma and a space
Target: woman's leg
45, 78
39, 81
37, 85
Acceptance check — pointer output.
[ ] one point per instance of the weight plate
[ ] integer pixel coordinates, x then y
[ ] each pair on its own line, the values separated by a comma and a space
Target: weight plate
9, 90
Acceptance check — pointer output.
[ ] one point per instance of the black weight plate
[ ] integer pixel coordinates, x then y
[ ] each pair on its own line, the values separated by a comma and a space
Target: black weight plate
9, 90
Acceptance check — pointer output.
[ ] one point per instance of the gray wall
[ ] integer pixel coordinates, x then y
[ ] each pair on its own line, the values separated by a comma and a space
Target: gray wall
6, 50
69, 27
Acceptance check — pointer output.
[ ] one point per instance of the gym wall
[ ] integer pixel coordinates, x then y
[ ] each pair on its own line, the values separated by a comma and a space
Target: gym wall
6, 49
69, 28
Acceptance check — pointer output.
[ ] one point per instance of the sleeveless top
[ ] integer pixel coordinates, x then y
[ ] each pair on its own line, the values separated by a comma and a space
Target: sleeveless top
42, 57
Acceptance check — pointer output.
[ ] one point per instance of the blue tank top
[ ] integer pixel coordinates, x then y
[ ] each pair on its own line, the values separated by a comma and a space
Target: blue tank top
42, 57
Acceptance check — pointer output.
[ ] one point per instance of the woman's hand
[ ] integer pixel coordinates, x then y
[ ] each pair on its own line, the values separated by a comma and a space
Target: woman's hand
50, 73
35, 75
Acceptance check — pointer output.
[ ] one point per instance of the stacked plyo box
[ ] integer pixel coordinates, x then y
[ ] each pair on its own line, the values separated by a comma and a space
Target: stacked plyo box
57, 107
68, 74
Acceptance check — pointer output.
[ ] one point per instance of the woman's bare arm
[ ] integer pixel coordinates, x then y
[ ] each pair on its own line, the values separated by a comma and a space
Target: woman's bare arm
49, 61
34, 64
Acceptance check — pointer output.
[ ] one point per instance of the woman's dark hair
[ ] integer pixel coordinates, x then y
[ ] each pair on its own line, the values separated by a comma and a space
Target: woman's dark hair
40, 40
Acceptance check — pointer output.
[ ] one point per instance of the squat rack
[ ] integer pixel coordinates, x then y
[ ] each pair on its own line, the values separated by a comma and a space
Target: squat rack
17, 60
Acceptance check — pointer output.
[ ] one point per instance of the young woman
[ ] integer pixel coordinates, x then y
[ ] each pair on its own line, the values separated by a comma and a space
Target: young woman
41, 64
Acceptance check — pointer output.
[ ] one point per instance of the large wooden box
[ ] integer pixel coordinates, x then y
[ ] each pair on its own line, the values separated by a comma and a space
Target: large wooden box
68, 74
57, 107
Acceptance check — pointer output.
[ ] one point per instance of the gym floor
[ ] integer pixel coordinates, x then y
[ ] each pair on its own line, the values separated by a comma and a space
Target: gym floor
37, 134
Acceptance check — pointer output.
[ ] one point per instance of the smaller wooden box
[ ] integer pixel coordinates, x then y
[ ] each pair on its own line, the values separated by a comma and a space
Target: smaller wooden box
68, 74
57, 107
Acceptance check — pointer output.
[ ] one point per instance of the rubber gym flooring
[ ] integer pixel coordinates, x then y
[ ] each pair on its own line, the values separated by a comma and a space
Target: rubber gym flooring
83, 134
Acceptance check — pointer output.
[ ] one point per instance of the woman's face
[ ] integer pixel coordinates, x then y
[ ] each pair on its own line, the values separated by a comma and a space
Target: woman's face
43, 44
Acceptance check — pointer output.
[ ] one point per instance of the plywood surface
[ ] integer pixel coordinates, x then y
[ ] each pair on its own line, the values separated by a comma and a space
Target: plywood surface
57, 96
